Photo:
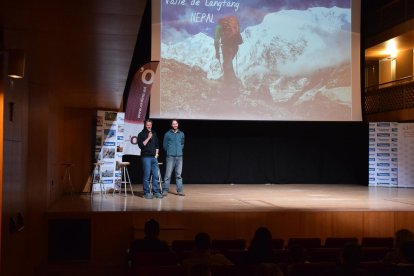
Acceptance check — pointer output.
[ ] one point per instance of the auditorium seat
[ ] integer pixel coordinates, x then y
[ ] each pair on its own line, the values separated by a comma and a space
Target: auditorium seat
277, 243
378, 269
231, 270
180, 271
306, 243
405, 270
254, 269
282, 256
155, 259
370, 254
314, 269
237, 256
182, 245
324, 254
332, 242
231, 244
171, 270
377, 242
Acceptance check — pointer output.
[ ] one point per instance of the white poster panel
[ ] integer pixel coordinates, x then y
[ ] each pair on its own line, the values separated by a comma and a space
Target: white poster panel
372, 179
406, 155
109, 148
383, 148
394, 174
131, 135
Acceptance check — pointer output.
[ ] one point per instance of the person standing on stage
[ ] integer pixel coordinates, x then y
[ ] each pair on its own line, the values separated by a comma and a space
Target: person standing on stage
173, 145
148, 143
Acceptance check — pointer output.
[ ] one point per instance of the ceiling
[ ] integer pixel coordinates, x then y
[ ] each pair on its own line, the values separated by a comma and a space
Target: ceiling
79, 49
384, 49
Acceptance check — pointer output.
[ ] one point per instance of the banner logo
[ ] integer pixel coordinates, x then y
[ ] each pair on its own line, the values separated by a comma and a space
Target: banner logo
137, 105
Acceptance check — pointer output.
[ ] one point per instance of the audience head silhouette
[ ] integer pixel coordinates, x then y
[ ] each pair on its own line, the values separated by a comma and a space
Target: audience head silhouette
262, 236
351, 254
262, 239
401, 236
152, 229
260, 249
202, 242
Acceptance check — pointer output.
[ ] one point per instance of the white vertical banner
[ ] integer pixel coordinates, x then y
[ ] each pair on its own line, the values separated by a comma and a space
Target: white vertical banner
394, 174
382, 150
109, 147
406, 155
137, 105
372, 175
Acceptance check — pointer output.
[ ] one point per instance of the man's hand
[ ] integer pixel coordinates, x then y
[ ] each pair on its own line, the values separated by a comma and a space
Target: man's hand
146, 141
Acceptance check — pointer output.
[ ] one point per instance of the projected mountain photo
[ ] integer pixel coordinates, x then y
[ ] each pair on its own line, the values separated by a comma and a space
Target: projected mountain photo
292, 65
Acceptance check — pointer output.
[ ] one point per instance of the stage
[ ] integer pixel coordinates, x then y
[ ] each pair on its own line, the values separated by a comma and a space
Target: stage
247, 198
108, 224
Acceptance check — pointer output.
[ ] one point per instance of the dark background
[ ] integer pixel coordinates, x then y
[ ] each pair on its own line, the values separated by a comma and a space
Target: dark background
268, 152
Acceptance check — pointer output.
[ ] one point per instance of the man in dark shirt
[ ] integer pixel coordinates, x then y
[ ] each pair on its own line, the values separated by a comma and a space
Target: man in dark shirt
148, 143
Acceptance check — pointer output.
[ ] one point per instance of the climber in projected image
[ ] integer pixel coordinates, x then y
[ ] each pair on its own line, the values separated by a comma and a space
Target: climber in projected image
228, 38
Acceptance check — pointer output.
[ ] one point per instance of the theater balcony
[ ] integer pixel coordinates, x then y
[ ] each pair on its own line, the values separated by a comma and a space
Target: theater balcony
389, 68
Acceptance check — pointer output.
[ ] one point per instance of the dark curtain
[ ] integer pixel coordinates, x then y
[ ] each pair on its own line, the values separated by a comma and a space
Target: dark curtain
268, 152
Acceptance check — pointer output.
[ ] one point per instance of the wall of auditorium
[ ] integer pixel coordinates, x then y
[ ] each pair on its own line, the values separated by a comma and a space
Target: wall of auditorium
371, 73
34, 144
38, 173
1, 146
392, 116
394, 69
386, 71
79, 130
13, 242
404, 64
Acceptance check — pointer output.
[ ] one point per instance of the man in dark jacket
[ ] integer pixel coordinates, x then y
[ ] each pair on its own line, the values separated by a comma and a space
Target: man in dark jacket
148, 143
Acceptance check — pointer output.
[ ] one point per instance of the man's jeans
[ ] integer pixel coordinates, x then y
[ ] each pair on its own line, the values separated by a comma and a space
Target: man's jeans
173, 163
150, 166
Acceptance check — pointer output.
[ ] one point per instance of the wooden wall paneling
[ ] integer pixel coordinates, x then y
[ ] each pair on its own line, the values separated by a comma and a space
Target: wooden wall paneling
404, 220
14, 113
316, 224
248, 222
217, 224
111, 237
347, 224
56, 148
285, 224
378, 224
78, 143
37, 174
172, 226
2, 92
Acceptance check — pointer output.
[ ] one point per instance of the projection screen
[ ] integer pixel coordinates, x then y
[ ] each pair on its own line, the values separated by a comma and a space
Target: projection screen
290, 60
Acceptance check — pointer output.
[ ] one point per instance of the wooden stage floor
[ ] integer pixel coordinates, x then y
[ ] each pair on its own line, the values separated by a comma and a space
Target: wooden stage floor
248, 198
